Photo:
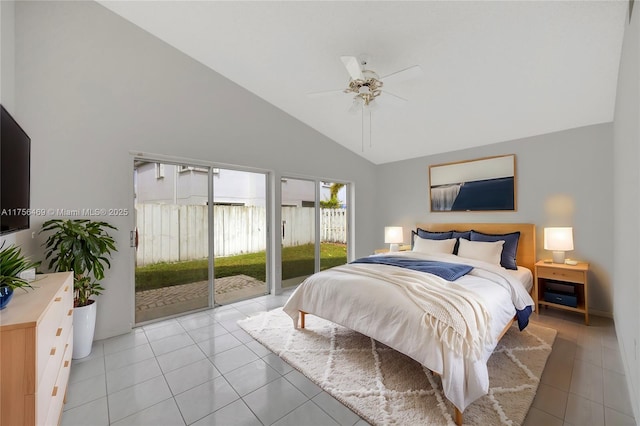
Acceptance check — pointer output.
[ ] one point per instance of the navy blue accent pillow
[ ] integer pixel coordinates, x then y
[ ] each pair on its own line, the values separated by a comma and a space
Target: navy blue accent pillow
428, 235
457, 235
509, 249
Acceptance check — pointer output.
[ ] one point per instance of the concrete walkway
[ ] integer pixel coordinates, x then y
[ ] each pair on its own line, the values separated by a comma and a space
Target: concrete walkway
175, 299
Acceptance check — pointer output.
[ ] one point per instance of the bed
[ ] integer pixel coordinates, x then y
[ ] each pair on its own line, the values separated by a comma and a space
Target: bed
450, 327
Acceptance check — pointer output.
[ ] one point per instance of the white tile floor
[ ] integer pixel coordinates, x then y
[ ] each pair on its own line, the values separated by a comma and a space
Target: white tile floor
202, 369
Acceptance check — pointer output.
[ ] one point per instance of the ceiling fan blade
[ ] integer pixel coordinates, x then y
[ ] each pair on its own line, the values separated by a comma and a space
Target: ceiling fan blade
353, 67
325, 93
402, 75
387, 98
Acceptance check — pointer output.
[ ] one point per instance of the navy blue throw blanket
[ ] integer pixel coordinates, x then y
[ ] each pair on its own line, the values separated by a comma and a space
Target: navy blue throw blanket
523, 317
448, 271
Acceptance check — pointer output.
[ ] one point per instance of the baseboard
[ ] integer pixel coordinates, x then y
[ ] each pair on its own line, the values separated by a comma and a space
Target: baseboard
601, 313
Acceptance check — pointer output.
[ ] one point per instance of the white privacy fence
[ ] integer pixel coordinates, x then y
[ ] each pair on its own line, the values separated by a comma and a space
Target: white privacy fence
171, 233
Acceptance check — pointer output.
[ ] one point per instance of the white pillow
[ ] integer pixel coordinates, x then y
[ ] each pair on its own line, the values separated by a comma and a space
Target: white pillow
426, 246
489, 252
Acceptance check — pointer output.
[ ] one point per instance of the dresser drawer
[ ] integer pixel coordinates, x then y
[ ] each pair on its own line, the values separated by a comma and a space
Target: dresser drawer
56, 394
55, 322
52, 366
560, 274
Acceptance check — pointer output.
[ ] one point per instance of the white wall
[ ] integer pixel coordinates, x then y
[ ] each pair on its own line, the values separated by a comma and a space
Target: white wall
91, 86
626, 147
562, 179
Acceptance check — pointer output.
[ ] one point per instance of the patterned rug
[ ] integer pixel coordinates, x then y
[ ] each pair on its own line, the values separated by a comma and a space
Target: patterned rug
387, 388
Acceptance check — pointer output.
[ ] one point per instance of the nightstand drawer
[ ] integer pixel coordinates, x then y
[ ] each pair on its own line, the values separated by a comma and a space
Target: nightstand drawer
560, 274
561, 298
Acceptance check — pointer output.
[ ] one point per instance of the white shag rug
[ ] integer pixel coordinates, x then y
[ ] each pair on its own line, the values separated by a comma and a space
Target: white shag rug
386, 387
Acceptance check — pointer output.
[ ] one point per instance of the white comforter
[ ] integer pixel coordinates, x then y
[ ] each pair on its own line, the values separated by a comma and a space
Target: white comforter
387, 313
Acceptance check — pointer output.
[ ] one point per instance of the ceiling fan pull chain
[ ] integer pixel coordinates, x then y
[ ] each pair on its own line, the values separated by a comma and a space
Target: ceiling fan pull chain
362, 125
370, 134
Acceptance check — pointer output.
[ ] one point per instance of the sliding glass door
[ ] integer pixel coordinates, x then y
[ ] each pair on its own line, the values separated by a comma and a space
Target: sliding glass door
298, 230
172, 254
201, 237
334, 224
314, 228
240, 234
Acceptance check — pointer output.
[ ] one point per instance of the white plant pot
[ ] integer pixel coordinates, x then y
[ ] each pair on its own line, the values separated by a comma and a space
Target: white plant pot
84, 324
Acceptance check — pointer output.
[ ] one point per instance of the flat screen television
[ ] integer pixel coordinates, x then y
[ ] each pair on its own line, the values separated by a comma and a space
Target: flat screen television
15, 161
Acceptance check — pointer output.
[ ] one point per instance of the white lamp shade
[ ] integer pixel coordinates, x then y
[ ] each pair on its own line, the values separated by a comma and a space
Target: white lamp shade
558, 239
393, 234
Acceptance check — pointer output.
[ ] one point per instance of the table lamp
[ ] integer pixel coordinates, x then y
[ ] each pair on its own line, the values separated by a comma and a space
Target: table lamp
558, 240
393, 237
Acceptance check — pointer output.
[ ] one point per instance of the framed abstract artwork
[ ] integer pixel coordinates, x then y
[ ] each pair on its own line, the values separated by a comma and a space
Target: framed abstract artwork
484, 184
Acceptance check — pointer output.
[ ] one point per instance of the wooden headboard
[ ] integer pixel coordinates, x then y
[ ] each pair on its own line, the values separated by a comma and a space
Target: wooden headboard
526, 255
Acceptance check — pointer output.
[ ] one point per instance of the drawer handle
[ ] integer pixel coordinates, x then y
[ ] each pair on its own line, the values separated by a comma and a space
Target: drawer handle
53, 351
55, 391
66, 289
66, 363
57, 299
59, 331
70, 312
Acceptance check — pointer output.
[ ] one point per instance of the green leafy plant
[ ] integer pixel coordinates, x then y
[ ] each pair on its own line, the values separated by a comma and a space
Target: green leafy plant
12, 263
333, 202
81, 246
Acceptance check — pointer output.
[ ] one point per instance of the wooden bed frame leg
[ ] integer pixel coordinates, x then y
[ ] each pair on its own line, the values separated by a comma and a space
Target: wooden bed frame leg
302, 314
458, 416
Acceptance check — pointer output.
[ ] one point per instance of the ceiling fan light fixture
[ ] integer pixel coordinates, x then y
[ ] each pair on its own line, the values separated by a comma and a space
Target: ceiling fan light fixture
356, 105
365, 86
371, 106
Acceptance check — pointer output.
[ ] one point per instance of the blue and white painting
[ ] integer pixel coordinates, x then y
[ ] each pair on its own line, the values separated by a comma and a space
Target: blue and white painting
486, 184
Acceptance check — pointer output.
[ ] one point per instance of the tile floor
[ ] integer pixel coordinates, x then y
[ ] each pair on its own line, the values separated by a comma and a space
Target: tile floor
202, 369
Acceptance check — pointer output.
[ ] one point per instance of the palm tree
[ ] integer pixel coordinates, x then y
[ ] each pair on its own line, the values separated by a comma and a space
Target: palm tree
333, 202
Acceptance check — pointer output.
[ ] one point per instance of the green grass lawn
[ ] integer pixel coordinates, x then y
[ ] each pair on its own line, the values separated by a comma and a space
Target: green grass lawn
296, 261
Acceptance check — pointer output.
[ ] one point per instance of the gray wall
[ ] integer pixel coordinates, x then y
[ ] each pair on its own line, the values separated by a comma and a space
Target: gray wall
563, 179
7, 54
91, 86
626, 132
7, 92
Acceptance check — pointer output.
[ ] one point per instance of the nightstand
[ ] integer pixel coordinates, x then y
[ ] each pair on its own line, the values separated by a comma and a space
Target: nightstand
553, 278
405, 247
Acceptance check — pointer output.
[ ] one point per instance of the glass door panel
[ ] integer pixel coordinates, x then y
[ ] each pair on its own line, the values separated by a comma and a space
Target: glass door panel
298, 230
239, 235
172, 254
333, 224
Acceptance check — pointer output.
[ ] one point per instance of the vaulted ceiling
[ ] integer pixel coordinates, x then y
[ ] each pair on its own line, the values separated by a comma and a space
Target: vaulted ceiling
492, 71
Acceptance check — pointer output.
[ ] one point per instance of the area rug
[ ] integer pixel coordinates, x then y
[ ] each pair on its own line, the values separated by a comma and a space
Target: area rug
386, 387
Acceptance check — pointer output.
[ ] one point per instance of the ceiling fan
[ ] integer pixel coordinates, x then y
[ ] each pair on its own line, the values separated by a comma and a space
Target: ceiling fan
366, 86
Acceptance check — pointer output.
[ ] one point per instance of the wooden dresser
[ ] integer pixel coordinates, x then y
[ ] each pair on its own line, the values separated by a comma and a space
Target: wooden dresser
36, 343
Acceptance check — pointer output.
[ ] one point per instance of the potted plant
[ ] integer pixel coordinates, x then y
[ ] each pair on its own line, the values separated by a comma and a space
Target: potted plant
12, 263
81, 246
